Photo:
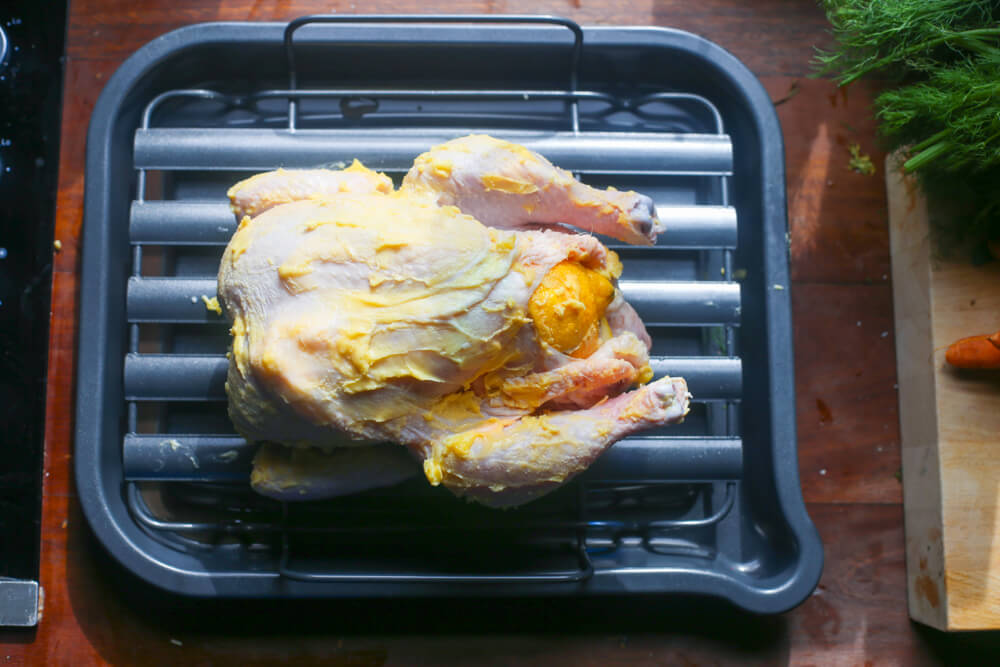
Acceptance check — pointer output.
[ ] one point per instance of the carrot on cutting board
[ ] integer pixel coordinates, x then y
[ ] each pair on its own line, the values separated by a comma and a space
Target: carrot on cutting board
975, 352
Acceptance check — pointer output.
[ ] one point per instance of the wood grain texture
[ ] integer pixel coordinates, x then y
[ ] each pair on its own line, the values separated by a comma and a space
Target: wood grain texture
845, 391
773, 37
949, 421
101, 615
96, 614
836, 216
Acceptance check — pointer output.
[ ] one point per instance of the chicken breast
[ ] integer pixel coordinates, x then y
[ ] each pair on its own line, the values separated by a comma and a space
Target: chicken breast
495, 354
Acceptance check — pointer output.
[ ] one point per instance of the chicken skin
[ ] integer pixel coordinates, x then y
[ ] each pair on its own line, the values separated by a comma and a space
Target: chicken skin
506, 186
442, 316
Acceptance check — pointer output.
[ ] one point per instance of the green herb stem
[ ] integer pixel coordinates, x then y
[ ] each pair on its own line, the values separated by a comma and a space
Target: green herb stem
927, 155
930, 141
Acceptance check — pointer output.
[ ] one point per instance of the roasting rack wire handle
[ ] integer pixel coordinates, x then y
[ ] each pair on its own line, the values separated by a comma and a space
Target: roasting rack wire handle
574, 73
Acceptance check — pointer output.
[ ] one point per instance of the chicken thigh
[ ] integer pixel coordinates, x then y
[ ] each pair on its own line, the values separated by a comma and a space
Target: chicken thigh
496, 353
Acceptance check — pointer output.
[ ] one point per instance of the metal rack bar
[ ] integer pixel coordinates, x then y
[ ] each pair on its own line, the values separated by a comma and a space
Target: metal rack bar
499, 94
669, 304
197, 223
709, 378
170, 300
154, 299
169, 457
179, 377
393, 149
175, 377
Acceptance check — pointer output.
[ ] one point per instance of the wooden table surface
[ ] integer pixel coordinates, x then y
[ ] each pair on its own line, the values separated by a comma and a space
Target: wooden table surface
849, 455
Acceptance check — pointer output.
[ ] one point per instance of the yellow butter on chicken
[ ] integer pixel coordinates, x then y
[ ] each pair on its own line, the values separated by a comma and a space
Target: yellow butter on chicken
453, 317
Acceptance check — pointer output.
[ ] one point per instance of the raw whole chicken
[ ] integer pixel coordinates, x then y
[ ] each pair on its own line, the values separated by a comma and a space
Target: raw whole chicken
453, 316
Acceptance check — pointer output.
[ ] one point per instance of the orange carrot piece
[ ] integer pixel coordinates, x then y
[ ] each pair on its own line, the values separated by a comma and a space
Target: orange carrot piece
974, 352
995, 339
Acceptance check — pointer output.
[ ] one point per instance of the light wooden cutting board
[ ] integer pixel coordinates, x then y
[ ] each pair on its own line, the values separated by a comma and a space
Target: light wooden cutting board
950, 424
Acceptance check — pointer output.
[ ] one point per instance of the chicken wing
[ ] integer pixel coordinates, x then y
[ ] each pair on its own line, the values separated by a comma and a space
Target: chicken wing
253, 196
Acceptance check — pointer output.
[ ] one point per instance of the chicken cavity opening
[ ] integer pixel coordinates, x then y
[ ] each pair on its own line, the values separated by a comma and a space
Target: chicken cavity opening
568, 306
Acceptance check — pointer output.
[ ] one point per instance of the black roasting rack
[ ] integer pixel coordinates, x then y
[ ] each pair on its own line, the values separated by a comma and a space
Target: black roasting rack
710, 506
